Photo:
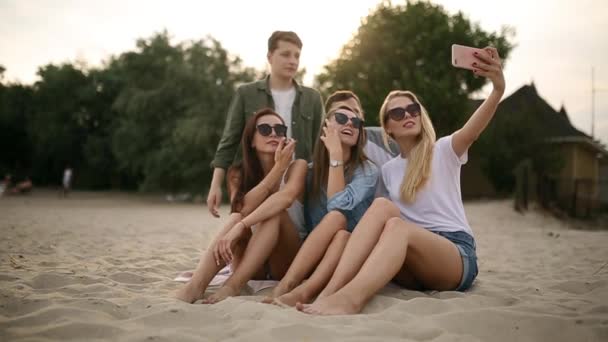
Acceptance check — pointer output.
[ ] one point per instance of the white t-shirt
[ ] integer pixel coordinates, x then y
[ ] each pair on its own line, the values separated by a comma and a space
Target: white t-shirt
438, 205
283, 104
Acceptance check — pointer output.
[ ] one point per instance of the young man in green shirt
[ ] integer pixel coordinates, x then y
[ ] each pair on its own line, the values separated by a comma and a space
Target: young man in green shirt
301, 108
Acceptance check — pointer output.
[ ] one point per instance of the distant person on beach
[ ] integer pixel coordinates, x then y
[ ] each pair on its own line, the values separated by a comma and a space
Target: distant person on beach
67, 180
300, 107
23, 187
418, 235
342, 183
263, 232
5, 186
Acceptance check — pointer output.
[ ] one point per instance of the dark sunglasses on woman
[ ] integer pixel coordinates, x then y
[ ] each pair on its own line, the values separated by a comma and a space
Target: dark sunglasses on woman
398, 113
266, 129
342, 119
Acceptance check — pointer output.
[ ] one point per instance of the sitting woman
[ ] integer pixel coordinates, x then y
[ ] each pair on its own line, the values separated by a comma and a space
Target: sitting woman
418, 236
262, 235
376, 150
342, 184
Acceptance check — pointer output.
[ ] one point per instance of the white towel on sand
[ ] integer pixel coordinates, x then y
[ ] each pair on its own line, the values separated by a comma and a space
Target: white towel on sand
255, 286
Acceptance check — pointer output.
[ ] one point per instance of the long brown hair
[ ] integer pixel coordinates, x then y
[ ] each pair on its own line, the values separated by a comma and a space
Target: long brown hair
420, 158
340, 96
320, 157
245, 175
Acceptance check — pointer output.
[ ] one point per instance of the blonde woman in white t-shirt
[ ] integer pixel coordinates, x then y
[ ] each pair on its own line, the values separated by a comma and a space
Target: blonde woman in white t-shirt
417, 235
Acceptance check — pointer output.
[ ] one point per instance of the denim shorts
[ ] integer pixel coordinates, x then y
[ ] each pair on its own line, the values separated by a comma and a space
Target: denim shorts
466, 247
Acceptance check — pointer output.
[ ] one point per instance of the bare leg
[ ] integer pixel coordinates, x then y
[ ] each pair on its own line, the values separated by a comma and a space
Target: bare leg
286, 249
311, 253
207, 268
306, 291
432, 259
257, 252
362, 241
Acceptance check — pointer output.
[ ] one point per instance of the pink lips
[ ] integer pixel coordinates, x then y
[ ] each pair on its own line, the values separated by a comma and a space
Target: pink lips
348, 131
409, 124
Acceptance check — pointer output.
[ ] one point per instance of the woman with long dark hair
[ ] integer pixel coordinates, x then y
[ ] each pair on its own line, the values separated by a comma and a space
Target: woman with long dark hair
341, 184
264, 230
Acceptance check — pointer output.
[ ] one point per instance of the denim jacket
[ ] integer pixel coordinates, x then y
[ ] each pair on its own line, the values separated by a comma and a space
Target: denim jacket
352, 202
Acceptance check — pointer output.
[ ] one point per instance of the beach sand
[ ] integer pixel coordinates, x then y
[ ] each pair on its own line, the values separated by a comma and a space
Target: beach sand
100, 266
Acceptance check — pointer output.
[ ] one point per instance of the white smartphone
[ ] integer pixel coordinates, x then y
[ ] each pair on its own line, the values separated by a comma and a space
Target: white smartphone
462, 56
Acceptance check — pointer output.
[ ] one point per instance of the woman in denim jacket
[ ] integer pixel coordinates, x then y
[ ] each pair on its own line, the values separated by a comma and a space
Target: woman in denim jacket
341, 184
418, 236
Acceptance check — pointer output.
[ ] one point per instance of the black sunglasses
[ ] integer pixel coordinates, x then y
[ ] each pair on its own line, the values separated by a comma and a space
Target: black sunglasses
265, 129
342, 119
398, 113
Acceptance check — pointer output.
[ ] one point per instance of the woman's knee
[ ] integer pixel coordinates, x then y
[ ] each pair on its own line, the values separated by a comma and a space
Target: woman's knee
341, 235
236, 216
385, 206
271, 221
396, 225
336, 217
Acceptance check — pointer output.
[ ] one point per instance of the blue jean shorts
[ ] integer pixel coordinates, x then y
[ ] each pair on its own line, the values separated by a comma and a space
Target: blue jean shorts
466, 246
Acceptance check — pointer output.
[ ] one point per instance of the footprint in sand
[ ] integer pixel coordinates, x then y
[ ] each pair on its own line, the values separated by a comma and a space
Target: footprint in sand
53, 281
131, 278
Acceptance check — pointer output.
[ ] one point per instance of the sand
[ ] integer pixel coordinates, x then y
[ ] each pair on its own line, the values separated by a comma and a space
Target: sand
99, 266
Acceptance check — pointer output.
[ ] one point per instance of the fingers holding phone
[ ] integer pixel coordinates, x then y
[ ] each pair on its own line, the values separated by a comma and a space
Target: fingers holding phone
484, 62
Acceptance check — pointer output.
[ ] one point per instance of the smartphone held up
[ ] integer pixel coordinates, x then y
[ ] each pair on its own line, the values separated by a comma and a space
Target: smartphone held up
463, 56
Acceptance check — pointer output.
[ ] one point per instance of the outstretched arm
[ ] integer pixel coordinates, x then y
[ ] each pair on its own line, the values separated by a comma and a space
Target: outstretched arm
487, 66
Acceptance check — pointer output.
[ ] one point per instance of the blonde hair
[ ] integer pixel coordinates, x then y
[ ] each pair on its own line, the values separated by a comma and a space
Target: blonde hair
320, 157
420, 158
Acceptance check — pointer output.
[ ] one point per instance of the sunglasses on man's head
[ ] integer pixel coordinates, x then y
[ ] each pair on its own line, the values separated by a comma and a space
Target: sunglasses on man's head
266, 129
342, 119
398, 113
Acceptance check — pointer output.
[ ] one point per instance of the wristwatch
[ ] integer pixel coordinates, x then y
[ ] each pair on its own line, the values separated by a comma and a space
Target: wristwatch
335, 163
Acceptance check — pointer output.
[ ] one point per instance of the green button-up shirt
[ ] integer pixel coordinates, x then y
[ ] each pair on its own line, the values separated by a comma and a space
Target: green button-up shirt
307, 113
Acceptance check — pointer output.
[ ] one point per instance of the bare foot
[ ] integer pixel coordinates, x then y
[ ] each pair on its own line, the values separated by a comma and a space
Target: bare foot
280, 290
291, 298
188, 293
221, 294
268, 300
331, 305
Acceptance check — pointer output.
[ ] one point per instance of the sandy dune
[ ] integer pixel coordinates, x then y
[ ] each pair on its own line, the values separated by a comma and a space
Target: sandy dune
100, 266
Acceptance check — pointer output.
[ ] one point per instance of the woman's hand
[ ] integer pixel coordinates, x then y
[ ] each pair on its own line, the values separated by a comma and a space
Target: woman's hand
331, 139
284, 153
490, 66
225, 246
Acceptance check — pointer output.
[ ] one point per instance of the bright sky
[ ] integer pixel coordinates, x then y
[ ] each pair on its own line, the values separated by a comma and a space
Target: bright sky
557, 40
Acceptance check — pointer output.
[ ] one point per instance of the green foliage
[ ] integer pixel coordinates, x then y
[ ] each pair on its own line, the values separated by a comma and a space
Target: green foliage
171, 110
409, 47
14, 112
149, 118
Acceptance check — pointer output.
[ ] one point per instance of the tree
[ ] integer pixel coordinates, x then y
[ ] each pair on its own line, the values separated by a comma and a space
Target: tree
171, 110
15, 106
57, 126
408, 47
